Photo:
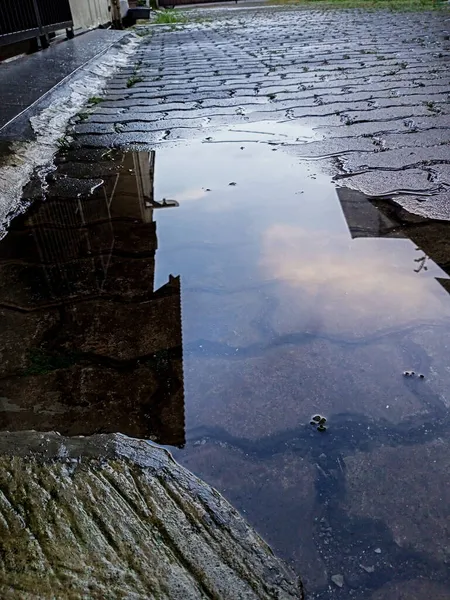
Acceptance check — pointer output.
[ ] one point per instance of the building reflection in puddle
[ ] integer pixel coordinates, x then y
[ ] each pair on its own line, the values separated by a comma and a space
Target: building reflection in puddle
87, 344
380, 219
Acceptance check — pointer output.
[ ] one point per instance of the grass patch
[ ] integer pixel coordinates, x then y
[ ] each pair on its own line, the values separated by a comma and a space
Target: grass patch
63, 143
133, 80
394, 5
95, 100
167, 17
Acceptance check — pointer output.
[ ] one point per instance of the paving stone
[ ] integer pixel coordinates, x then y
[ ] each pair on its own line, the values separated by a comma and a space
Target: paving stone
349, 73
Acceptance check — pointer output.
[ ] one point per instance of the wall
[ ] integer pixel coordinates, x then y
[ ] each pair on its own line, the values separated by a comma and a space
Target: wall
90, 13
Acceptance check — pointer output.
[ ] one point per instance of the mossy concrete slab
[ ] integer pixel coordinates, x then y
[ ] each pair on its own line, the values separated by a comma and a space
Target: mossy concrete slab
111, 517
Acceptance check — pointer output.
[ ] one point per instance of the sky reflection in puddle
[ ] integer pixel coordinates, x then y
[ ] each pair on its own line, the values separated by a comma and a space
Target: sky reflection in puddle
300, 299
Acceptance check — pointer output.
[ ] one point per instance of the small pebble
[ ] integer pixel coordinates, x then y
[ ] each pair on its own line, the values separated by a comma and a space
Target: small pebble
338, 580
367, 569
377, 550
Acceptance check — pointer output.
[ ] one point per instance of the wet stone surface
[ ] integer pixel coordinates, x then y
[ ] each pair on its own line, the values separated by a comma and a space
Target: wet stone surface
214, 289
375, 84
121, 519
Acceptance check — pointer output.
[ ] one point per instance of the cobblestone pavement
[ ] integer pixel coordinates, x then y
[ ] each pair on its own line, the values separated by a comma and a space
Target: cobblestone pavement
374, 85
295, 300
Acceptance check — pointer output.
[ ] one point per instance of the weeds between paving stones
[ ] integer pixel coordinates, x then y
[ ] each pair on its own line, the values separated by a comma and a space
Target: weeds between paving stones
63, 143
133, 80
95, 100
167, 18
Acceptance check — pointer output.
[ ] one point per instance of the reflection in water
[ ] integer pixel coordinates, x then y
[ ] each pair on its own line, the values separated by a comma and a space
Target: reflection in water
354, 288
88, 346
345, 292
285, 316
367, 219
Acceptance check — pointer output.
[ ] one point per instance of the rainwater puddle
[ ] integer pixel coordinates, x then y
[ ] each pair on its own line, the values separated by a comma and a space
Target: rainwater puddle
216, 297
267, 132
302, 299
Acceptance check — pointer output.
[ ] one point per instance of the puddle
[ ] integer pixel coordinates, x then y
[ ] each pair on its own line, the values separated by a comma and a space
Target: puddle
89, 344
264, 297
267, 132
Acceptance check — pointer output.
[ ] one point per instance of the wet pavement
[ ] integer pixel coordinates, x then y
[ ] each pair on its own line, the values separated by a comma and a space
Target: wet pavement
26, 80
375, 85
213, 288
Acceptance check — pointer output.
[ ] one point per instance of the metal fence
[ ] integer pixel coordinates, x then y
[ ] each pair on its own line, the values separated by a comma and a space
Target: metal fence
25, 19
